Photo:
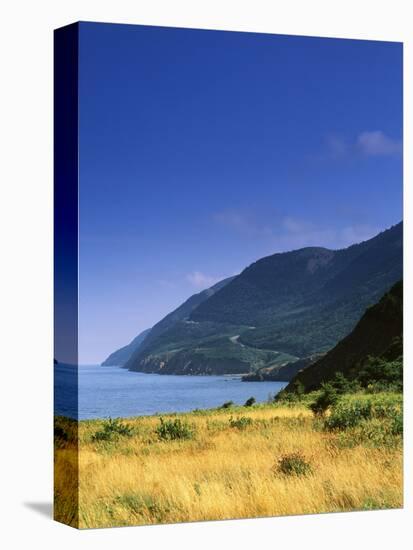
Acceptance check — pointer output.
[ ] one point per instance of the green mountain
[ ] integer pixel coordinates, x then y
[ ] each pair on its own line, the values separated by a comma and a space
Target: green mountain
305, 301
183, 312
119, 357
282, 308
378, 334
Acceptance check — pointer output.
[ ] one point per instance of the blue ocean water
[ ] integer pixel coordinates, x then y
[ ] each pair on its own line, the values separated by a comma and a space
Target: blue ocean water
112, 391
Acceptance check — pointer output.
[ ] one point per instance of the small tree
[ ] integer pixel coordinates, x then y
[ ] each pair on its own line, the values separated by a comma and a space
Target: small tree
250, 402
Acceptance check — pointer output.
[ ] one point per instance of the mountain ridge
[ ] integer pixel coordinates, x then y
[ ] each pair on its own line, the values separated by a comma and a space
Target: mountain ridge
281, 308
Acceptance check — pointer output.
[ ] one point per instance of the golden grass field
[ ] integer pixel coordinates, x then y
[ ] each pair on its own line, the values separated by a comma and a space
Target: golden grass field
223, 472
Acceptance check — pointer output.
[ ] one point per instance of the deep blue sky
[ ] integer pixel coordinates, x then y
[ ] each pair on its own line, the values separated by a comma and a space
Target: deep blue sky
202, 151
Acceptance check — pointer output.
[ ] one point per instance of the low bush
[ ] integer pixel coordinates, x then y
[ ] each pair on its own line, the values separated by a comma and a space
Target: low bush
240, 422
369, 433
351, 410
327, 397
382, 374
396, 425
227, 405
113, 429
169, 430
343, 385
293, 464
286, 398
291, 397
250, 402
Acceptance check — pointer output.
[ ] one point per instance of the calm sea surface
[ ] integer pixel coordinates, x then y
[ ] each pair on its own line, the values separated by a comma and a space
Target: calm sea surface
112, 391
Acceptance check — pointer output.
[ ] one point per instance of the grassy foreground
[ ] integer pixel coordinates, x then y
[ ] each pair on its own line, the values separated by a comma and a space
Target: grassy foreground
240, 462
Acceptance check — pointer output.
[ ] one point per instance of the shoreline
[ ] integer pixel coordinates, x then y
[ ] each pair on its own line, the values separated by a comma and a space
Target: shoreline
235, 408
115, 392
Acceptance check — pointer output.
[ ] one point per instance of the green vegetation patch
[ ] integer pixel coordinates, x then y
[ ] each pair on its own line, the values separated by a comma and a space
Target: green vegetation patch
293, 464
250, 402
351, 410
240, 423
169, 430
113, 429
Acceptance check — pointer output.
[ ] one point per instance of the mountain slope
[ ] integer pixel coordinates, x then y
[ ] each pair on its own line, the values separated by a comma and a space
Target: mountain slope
119, 357
184, 311
304, 301
281, 373
283, 307
378, 334
173, 320
122, 355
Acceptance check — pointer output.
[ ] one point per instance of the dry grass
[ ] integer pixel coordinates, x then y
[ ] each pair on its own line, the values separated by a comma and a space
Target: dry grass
225, 472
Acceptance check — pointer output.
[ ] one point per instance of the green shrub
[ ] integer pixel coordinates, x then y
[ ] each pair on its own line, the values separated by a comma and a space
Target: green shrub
293, 464
113, 429
396, 424
327, 398
169, 430
240, 422
381, 387
291, 396
351, 410
227, 405
349, 413
343, 385
382, 374
370, 433
287, 398
250, 402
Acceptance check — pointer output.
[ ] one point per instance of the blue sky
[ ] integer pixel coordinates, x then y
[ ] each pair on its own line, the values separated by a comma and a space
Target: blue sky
202, 151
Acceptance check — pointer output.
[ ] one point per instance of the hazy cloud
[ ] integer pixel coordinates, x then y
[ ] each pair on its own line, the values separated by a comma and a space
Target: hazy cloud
201, 280
282, 233
368, 143
377, 143
294, 233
